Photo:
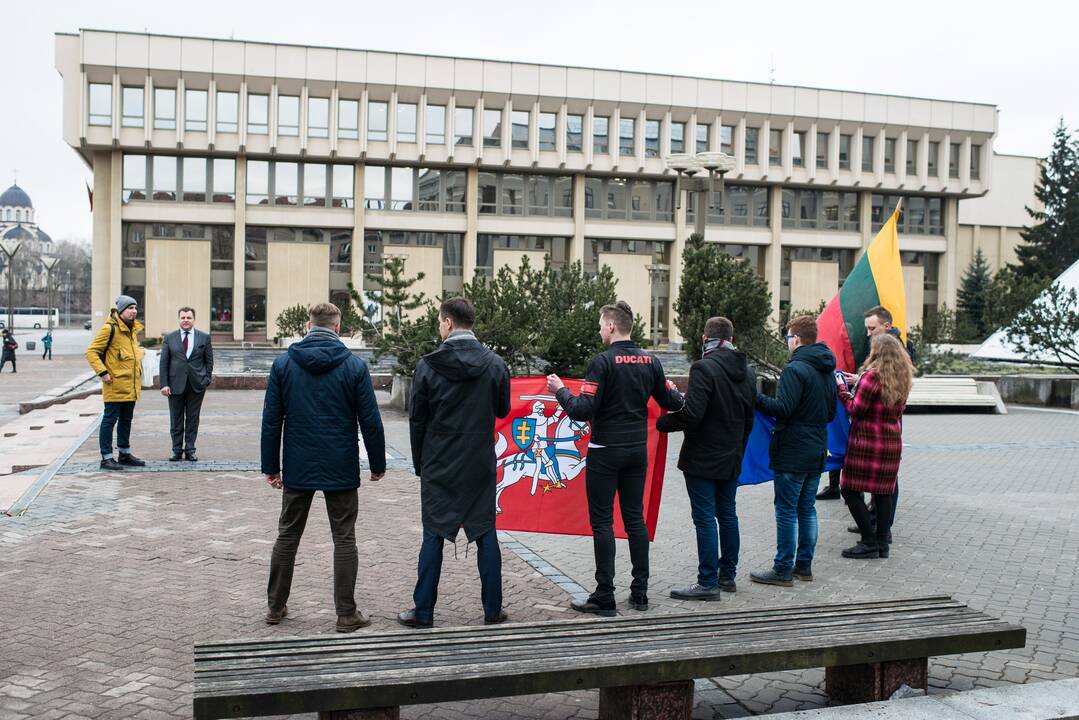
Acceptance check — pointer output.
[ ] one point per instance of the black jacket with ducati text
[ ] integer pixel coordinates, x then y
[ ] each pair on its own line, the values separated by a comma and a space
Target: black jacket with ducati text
457, 392
615, 395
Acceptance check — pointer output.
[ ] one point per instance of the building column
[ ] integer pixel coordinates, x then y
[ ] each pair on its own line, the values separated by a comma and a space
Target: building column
773, 262
239, 252
677, 248
469, 244
358, 220
865, 220
576, 246
948, 272
107, 243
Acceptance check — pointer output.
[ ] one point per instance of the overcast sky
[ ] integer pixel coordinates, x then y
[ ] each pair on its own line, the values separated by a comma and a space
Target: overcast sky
1022, 57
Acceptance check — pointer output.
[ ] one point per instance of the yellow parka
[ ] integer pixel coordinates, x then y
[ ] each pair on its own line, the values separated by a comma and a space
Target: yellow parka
122, 359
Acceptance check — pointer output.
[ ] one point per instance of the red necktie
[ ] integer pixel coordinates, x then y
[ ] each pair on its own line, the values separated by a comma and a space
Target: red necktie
185, 342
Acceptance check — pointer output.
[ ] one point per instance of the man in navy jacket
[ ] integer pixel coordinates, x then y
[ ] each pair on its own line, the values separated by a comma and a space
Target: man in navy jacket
317, 395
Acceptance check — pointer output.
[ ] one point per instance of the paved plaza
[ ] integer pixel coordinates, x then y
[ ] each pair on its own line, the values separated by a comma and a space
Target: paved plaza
109, 579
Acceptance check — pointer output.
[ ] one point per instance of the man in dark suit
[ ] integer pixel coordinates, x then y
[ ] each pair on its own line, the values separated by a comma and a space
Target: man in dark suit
187, 366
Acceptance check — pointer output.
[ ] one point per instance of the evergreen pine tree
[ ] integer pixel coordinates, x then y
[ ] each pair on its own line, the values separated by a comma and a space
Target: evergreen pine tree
972, 293
1053, 243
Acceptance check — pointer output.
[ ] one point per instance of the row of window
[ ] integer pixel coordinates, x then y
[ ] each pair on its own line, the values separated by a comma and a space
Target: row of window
515, 194
291, 183
407, 188
744, 205
378, 128
188, 179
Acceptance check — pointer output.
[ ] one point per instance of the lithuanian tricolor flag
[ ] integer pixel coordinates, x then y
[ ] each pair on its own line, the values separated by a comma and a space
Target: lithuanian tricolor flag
877, 279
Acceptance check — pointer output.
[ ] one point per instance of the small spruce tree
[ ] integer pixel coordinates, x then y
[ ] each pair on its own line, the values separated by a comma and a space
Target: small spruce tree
1052, 244
973, 290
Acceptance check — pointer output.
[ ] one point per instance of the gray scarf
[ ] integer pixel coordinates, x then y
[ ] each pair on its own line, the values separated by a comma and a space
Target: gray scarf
715, 344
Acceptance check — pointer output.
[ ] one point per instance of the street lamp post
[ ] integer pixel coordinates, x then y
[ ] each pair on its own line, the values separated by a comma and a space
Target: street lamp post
716, 164
67, 298
9, 248
654, 272
49, 261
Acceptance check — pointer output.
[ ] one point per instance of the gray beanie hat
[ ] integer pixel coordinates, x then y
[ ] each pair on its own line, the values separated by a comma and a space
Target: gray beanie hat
124, 302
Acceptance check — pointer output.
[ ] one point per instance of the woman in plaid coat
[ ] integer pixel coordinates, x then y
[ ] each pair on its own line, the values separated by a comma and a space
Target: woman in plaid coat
875, 444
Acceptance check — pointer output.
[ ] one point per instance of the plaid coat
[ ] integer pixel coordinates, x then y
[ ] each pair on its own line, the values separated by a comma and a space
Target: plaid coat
875, 444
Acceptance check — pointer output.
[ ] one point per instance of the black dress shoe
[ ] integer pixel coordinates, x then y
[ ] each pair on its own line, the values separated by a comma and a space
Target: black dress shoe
501, 617
111, 465
861, 551
728, 585
638, 602
130, 460
176, 456
191, 456
408, 619
828, 493
588, 605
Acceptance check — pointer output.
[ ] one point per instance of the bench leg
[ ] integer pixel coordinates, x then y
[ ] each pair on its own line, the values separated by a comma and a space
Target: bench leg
665, 701
386, 713
874, 681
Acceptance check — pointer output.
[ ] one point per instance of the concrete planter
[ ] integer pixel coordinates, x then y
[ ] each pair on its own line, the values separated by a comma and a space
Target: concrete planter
400, 392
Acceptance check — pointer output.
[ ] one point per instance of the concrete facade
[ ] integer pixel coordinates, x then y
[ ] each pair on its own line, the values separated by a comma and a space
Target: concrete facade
238, 144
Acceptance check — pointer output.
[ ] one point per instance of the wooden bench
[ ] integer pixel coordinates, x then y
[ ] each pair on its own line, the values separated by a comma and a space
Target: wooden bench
644, 664
964, 392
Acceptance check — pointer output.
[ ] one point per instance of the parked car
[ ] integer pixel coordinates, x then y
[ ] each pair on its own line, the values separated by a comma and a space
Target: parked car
87, 325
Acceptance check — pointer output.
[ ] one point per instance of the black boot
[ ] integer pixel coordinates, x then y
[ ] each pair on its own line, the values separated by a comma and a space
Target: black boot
832, 491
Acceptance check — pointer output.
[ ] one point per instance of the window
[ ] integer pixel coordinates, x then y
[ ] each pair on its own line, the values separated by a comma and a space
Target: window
975, 161
132, 115
934, 152
513, 194
519, 129
702, 137
224, 172
195, 110
406, 122
867, 153
455, 181
626, 136
726, 139
575, 133
228, 112
348, 119
134, 185
258, 114
194, 179
374, 187
318, 117
889, 155
798, 140
258, 182
546, 125
616, 198
314, 185
435, 122
953, 160
341, 177
427, 189
912, 157
164, 177
133, 246
164, 109
377, 120
286, 183
538, 192
100, 104
492, 128
462, 126
288, 115
814, 209
775, 147
488, 193
678, 137
822, 150
743, 205
651, 138
751, 144
920, 215
401, 190
600, 135
844, 152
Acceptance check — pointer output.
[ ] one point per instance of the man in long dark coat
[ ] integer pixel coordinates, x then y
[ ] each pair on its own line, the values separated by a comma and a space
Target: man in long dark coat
457, 392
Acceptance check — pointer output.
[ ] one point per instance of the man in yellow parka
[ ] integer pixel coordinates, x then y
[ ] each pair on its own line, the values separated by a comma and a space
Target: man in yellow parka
115, 355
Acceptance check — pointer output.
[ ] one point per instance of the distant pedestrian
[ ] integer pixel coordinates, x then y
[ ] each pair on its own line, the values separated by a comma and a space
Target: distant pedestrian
186, 369
116, 356
46, 345
875, 445
804, 404
317, 396
717, 419
8, 353
458, 391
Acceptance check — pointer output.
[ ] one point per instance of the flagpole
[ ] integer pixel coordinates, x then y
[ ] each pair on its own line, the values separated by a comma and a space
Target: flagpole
898, 205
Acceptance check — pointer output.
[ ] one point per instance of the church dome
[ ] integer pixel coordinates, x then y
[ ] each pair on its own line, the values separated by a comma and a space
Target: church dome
15, 196
18, 232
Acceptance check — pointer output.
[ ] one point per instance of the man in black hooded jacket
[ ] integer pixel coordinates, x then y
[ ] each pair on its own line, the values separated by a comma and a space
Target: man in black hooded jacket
457, 392
717, 419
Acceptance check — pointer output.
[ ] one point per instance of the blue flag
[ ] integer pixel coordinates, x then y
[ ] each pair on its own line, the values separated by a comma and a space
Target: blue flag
755, 468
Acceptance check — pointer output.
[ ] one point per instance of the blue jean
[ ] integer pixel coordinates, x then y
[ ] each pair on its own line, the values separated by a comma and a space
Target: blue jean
711, 501
118, 415
796, 521
489, 559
